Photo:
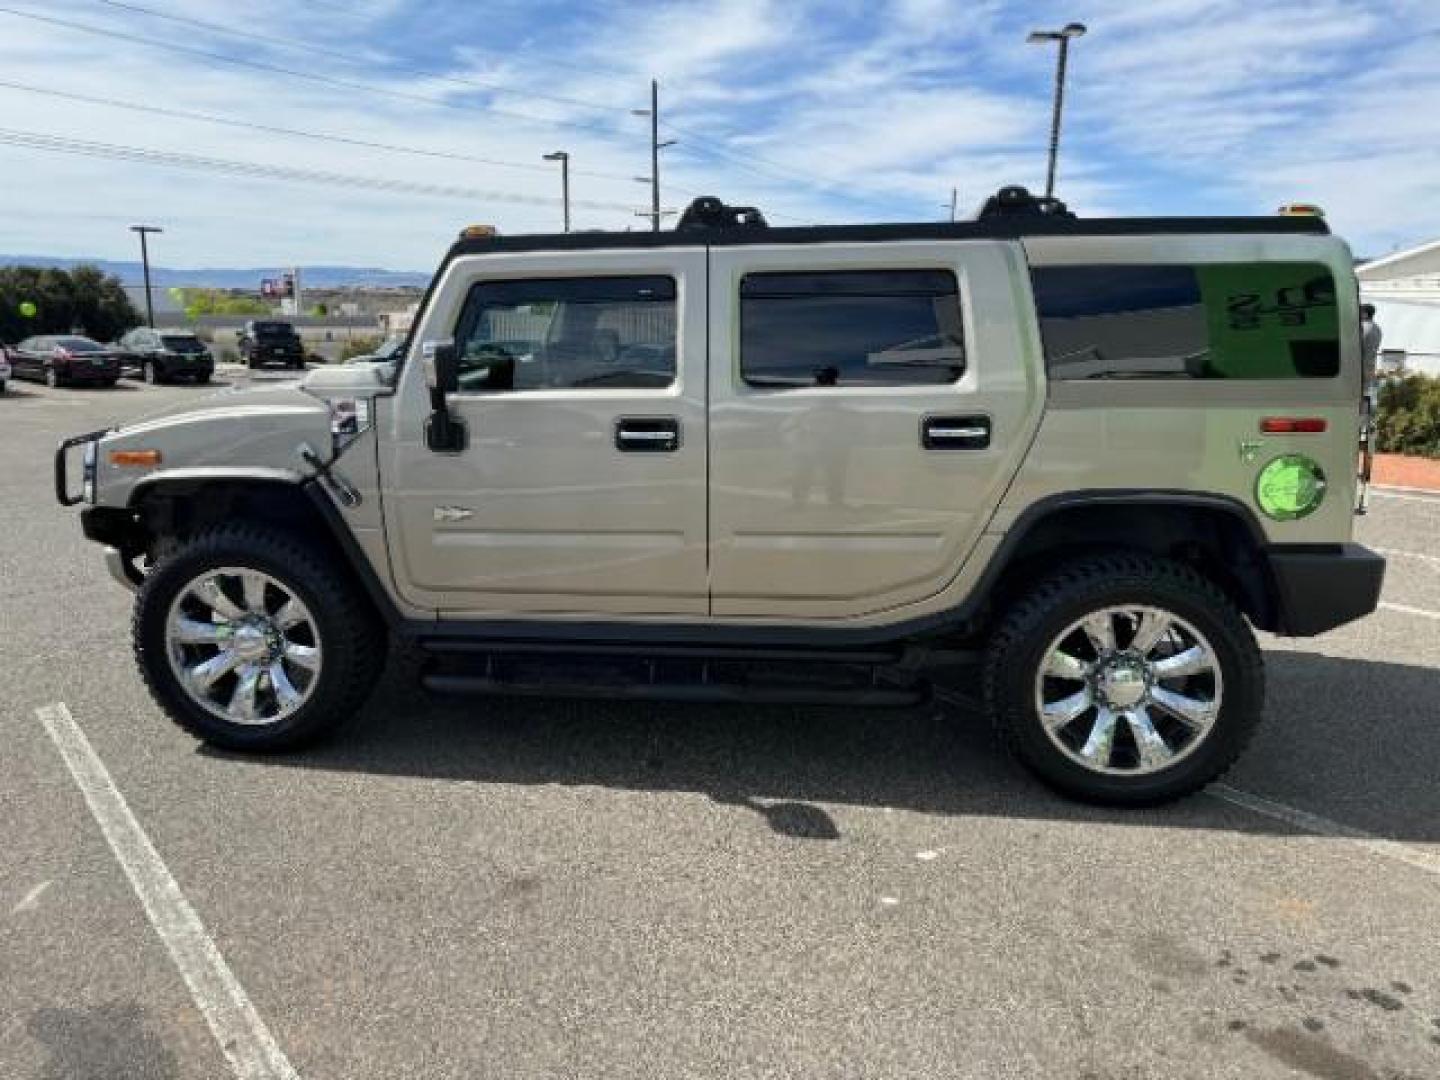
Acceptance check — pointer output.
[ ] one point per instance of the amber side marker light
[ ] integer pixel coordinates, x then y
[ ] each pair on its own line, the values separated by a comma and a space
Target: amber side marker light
1293, 425
135, 457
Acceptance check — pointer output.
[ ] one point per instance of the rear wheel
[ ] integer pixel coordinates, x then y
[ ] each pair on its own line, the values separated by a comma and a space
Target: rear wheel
250, 639
1125, 680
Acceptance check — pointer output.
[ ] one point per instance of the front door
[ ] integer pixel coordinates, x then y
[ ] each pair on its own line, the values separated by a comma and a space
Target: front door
582, 487
869, 403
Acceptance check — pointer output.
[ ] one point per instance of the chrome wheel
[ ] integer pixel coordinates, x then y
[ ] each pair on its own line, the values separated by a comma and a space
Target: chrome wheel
243, 646
1128, 691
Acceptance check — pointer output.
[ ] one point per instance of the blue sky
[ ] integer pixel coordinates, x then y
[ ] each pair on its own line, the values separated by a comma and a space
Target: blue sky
833, 111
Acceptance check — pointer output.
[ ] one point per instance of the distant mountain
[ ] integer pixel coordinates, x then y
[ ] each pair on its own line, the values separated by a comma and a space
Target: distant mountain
233, 277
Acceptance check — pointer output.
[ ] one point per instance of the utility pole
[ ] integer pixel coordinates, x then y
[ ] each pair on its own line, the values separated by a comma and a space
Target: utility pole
1063, 37
656, 146
564, 159
954, 198
143, 230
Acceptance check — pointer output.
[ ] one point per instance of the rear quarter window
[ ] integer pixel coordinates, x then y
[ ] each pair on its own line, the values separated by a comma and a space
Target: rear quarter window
1205, 321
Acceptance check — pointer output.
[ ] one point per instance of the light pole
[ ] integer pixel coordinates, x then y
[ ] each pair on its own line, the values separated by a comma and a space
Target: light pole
1063, 36
145, 262
564, 159
655, 147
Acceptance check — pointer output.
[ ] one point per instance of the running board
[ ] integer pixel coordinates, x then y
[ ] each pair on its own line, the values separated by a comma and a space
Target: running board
718, 693
779, 676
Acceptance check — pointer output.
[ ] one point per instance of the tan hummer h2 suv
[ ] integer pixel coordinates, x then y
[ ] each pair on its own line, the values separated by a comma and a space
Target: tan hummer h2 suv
732, 462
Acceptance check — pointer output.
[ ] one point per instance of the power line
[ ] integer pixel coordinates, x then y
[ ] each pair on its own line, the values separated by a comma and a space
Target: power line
344, 84
773, 170
347, 58
184, 114
35, 140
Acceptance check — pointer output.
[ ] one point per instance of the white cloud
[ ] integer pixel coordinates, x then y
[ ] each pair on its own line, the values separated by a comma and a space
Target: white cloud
815, 109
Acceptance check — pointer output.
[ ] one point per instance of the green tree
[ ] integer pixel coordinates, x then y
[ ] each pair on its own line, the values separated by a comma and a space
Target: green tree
81, 299
201, 302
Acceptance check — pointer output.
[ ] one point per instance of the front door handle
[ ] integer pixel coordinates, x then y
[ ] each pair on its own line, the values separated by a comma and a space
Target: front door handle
955, 432
647, 434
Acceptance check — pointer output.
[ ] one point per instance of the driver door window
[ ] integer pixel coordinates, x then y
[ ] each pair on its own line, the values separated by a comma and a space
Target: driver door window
568, 333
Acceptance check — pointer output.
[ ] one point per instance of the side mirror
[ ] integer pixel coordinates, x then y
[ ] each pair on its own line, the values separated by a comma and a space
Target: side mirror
444, 432
442, 367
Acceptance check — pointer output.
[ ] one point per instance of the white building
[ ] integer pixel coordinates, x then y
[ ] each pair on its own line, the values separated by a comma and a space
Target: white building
1405, 289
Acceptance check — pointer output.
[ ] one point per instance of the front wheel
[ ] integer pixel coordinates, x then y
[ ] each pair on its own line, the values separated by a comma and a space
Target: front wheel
1125, 680
251, 639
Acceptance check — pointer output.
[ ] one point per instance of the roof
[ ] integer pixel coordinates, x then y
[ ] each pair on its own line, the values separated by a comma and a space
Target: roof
1413, 262
1013, 227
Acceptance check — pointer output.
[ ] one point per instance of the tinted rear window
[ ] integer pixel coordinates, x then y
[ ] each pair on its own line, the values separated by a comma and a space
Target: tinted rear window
182, 343
274, 329
872, 328
1206, 321
79, 344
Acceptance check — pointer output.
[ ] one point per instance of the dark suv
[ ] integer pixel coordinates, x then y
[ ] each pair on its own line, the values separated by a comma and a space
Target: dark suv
161, 356
267, 342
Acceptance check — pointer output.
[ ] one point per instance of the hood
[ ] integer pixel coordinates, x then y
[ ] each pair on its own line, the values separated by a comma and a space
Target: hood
254, 433
262, 398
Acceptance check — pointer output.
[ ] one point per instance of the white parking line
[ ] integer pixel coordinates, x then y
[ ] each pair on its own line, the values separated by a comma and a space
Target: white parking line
1397, 553
1407, 494
1420, 858
1406, 609
243, 1037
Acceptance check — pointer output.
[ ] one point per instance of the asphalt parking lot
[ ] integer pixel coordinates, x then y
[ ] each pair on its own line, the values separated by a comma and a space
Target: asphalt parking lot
544, 889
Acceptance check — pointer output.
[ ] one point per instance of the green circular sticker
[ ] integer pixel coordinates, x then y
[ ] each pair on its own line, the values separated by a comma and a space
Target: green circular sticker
28, 309
1290, 487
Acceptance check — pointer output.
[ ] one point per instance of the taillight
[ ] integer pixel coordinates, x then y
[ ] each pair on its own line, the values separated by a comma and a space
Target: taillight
1293, 425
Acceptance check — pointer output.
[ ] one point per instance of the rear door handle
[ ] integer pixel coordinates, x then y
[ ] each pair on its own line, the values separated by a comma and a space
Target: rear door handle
647, 434
955, 432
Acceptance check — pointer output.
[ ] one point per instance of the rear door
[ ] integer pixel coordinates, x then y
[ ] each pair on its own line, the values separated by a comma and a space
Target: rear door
869, 403
582, 487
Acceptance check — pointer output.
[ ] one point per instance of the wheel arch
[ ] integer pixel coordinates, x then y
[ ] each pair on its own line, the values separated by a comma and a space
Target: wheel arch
1217, 535
166, 510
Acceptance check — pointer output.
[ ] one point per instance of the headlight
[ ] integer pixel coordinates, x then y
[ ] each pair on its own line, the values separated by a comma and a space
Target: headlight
349, 417
87, 489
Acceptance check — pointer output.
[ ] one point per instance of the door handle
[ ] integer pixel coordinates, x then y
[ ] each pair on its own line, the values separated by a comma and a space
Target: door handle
647, 434
955, 432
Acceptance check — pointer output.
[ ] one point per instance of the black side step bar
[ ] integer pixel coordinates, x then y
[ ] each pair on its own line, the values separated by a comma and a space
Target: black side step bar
669, 652
869, 697
786, 676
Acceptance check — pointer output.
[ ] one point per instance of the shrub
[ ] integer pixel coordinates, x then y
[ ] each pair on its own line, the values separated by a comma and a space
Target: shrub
360, 346
1408, 419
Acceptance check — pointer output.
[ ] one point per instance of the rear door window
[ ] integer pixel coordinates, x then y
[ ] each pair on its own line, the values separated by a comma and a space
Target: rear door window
845, 328
1204, 321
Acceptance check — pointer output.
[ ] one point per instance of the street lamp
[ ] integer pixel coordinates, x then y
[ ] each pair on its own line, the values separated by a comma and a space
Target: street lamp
145, 262
564, 159
1063, 36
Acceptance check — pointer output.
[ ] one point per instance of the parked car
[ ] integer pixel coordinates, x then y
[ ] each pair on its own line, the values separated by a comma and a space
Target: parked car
161, 356
4, 367
736, 463
65, 360
271, 342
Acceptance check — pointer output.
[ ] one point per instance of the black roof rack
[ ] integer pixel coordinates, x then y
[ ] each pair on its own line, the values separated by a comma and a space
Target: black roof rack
1010, 214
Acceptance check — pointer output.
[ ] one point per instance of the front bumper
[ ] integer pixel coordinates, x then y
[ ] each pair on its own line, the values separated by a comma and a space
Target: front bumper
1321, 586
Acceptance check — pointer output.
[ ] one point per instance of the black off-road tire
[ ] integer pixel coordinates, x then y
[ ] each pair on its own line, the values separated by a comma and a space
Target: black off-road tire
1018, 647
352, 637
